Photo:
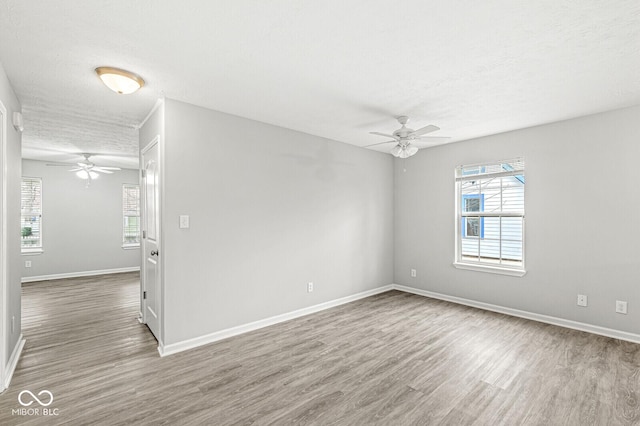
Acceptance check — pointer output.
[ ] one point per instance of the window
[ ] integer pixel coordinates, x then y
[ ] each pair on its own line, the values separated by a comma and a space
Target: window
490, 224
130, 215
31, 214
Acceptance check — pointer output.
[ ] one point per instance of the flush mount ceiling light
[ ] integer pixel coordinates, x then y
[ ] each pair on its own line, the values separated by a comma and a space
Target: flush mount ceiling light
120, 81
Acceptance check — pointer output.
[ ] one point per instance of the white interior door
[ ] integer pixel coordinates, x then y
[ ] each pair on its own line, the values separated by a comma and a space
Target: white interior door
151, 238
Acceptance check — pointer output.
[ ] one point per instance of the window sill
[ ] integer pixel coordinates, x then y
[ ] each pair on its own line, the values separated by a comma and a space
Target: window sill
490, 269
130, 246
32, 251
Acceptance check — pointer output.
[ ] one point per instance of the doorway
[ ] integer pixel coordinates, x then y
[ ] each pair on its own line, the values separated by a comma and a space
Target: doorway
151, 276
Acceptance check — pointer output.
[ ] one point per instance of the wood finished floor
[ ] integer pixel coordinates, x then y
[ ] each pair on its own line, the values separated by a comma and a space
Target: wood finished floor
390, 359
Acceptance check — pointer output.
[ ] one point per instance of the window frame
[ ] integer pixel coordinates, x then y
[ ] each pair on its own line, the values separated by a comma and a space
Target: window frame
460, 222
36, 249
128, 245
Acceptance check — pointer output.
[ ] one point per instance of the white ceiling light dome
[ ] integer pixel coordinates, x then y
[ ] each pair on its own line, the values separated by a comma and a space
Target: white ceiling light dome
120, 81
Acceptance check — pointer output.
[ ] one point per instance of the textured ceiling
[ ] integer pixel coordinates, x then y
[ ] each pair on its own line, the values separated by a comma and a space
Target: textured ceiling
336, 69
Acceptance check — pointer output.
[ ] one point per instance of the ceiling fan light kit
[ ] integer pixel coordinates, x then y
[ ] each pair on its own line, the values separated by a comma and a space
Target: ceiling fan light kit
406, 138
84, 174
87, 170
120, 81
403, 151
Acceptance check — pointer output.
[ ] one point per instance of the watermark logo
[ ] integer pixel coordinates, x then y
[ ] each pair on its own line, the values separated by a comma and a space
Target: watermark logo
26, 398
35, 398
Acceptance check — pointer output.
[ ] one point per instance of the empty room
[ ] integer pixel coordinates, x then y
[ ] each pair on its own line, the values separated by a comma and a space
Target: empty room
323, 213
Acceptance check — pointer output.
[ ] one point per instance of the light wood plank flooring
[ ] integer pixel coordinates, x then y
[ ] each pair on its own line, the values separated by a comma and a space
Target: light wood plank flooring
390, 359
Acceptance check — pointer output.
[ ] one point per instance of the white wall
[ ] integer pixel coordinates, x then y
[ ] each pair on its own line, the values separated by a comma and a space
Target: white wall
581, 230
82, 227
271, 209
12, 199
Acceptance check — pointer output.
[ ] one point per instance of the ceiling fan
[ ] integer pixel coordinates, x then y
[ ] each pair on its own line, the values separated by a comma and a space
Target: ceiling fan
407, 140
86, 169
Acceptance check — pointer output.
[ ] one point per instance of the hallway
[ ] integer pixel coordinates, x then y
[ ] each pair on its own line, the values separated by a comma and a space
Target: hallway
83, 344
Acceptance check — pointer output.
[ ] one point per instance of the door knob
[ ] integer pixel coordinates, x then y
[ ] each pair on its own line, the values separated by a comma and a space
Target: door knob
154, 253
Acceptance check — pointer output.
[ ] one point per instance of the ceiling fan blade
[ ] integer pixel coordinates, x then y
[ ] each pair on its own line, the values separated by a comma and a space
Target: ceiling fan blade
101, 170
76, 169
432, 138
381, 143
384, 134
420, 143
109, 168
426, 129
60, 164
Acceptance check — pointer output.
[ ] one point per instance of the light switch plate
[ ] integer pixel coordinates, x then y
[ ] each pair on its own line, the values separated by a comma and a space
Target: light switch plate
184, 221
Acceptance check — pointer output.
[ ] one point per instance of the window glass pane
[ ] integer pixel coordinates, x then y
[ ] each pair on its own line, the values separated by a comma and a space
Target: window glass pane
512, 194
512, 238
491, 194
492, 228
470, 187
473, 226
31, 213
490, 244
470, 248
131, 214
472, 204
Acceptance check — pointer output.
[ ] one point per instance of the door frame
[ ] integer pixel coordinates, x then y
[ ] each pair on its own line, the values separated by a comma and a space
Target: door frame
3, 249
143, 245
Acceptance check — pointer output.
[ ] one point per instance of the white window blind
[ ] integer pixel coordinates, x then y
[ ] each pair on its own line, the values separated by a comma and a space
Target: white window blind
31, 213
490, 215
130, 215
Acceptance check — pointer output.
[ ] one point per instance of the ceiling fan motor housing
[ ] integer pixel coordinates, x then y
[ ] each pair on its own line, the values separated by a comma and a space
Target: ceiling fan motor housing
403, 132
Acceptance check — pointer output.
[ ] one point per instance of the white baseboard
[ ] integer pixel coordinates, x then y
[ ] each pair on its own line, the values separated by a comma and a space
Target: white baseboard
173, 348
13, 362
79, 274
589, 328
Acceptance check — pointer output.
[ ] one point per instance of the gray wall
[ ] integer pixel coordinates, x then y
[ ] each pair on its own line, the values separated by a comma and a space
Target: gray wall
82, 227
12, 199
271, 209
582, 236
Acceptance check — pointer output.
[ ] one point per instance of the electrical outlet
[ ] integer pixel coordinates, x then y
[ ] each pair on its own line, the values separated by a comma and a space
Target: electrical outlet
621, 307
582, 300
414, 273
309, 287
184, 221
27, 264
